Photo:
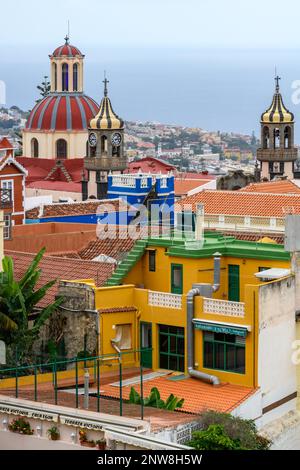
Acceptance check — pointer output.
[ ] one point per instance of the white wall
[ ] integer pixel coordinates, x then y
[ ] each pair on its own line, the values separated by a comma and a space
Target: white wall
277, 332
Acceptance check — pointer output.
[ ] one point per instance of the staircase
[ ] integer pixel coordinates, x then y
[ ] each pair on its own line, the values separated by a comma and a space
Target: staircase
59, 166
125, 266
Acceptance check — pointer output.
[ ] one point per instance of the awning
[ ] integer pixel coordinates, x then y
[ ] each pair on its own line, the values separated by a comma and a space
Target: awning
228, 329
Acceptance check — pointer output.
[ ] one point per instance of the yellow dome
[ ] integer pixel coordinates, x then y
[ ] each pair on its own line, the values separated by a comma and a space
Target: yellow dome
277, 112
106, 118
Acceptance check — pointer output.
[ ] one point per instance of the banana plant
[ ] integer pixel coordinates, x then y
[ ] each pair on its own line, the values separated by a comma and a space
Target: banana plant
172, 402
19, 300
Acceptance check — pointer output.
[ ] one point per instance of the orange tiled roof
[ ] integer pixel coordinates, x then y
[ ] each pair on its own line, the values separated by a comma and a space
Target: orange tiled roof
198, 396
278, 187
115, 247
183, 186
77, 208
60, 269
244, 203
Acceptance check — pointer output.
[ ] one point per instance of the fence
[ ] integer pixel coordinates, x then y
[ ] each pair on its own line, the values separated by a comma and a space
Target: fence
13, 379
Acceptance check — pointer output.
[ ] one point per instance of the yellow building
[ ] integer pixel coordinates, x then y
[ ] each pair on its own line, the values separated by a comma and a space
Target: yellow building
213, 333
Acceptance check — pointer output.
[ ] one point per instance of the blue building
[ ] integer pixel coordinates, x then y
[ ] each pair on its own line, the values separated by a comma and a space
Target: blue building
153, 191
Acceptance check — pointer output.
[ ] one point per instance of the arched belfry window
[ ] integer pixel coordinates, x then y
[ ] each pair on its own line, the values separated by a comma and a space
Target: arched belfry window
61, 148
276, 138
65, 77
287, 137
104, 144
75, 77
266, 138
54, 76
34, 148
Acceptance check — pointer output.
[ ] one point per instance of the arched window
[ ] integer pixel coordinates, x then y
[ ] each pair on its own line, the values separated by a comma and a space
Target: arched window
75, 77
65, 77
61, 149
54, 76
266, 138
116, 151
104, 144
287, 137
276, 138
34, 148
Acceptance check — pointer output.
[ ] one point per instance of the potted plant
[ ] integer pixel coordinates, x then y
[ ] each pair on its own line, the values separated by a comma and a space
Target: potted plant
84, 441
53, 433
101, 443
21, 426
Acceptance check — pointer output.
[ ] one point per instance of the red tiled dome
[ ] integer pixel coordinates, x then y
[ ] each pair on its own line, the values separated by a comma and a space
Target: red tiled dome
66, 50
62, 112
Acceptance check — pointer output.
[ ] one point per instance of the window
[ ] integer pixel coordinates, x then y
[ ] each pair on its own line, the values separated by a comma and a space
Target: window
266, 138
276, 138
224, 352
7, 195
34, 148
75, 77
176, 278
54, 66
152, 260
261, 268
7, 227
171, 347
61, 149
287, 137
103, 144
123, 338
65, 77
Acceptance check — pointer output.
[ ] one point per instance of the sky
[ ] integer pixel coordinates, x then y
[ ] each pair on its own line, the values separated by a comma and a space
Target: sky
214, 23
203, 63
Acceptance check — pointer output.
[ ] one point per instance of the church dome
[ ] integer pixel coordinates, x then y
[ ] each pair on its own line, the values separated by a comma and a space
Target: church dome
66, 50
106, 118
62, 112
277, 112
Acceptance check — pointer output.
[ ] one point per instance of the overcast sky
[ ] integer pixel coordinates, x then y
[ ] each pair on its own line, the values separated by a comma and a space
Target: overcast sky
220, 23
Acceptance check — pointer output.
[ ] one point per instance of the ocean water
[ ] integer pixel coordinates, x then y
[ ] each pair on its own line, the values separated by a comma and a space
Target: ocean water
215, 89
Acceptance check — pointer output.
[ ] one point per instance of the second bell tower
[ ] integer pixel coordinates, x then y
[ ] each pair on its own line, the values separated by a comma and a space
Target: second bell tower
105, 150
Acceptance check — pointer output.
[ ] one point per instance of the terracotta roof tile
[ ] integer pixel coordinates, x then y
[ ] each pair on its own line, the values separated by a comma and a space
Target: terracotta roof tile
244, 203
198, 396
116, 247
60, 269
183, 186
278, 187
77, 208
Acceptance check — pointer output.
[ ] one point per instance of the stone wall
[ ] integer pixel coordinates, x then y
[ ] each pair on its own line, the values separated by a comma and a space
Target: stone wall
75, 321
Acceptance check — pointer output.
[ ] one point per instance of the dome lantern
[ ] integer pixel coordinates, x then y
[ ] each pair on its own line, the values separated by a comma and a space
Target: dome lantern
66, 68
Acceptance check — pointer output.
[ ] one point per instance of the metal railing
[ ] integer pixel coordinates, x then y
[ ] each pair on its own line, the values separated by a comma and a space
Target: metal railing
5, 198
77, 365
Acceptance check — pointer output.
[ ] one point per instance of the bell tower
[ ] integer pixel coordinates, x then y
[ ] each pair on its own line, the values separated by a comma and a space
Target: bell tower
277, 153
105, 152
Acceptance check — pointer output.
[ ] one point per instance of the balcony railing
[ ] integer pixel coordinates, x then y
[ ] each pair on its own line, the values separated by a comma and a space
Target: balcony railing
5, 198
224, 307
287, 155
164, 299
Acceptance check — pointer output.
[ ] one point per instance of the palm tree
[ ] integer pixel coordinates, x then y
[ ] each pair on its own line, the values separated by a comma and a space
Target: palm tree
19, 300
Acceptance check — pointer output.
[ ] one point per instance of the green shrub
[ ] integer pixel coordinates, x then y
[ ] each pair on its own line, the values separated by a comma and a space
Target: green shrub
222, 429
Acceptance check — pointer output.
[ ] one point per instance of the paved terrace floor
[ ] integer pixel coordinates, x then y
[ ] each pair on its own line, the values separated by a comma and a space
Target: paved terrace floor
198, 396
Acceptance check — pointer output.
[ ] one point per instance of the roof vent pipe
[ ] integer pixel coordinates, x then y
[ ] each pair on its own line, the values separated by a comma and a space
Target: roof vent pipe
217, 272
190, 341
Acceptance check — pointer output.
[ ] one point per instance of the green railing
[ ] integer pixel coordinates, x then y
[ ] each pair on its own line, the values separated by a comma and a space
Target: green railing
56, 366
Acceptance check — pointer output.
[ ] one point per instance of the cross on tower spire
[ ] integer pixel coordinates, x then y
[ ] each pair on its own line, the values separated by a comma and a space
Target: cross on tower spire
105, 81
277, 78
